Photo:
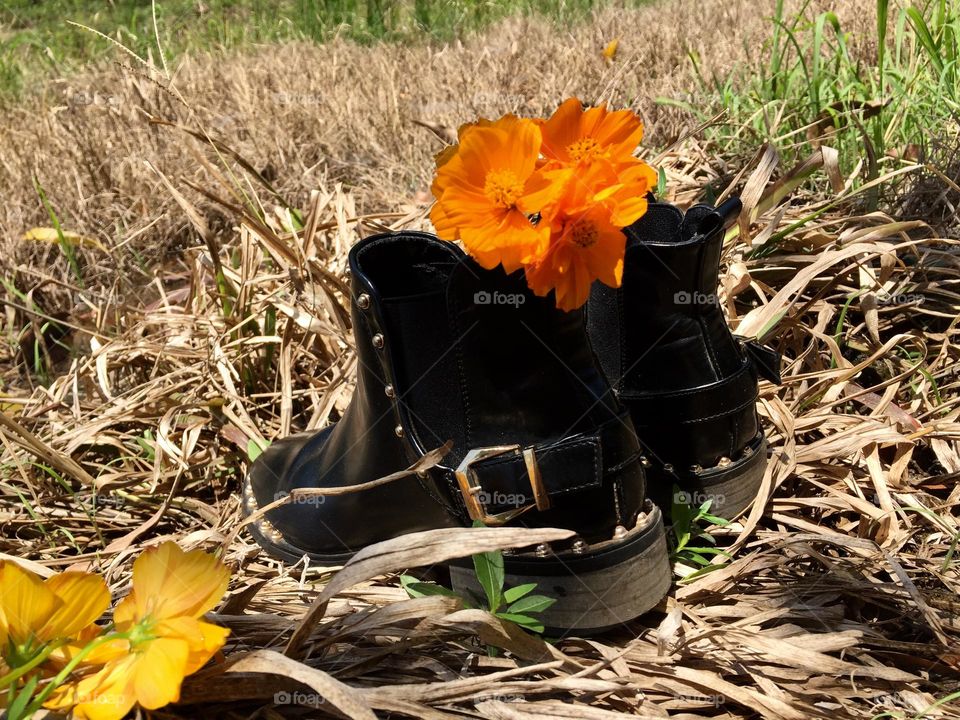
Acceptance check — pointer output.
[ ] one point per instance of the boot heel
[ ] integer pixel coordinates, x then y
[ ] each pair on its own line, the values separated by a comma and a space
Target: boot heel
603, 586
730, 488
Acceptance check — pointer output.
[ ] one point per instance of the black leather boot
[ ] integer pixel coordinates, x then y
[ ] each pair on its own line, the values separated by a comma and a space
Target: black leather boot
664, 344
449, 351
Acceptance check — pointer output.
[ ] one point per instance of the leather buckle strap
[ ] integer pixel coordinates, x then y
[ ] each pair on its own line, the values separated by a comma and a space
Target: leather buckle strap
498, 483
474, 494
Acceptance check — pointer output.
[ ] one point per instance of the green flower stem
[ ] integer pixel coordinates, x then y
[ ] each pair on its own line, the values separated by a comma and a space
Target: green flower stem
22, 670
69, 668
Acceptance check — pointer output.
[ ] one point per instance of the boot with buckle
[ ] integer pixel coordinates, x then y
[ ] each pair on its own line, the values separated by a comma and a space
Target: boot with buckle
691, 386
449, 351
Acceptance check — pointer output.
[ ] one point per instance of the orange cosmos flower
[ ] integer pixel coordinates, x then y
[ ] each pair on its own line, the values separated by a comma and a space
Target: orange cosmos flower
165, 638
575, 171
586, 247
587, 243
487, 187
573, 135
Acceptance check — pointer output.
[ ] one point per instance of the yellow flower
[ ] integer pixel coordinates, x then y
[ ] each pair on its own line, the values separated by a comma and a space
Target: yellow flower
610, 51
35, 612
165, 638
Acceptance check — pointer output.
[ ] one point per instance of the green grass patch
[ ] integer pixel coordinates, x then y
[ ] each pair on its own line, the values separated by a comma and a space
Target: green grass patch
876, 100
38, 39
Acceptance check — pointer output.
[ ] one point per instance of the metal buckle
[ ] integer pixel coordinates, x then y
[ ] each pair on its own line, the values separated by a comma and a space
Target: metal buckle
471, 489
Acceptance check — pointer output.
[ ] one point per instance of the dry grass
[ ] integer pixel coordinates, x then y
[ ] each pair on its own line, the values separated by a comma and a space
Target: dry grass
839, 600
306, 115
840, 596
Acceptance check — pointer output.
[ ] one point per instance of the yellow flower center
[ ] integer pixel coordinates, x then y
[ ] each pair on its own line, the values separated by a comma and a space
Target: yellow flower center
142, 632
503, 187
583, 234
583, 149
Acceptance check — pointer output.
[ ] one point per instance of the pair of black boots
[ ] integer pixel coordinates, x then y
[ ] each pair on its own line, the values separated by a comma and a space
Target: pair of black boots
581, 420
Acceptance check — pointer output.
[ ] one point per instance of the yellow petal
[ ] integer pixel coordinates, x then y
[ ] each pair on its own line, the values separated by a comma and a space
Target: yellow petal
102, 654
48, 234
159, 671
84, 598
105, 695
610, 51
25, 602
203, 639
168, 583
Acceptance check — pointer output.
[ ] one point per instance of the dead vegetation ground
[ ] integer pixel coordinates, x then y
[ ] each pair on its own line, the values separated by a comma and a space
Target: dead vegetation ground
840, 596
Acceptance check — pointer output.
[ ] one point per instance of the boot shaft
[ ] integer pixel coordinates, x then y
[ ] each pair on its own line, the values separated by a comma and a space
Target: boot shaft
664, 329
663, 341
450, 351
468, 354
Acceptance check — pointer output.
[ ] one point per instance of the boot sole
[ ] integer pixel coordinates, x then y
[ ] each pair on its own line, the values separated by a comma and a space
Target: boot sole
605, 586
268, 538
731, 489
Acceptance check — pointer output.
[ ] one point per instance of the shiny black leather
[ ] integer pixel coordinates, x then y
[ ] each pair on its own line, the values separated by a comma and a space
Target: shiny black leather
448, 351
664, 344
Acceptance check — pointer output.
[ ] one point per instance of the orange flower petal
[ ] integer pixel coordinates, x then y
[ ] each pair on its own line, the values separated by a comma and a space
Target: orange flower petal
562, 130
544, 188
445, 229
620, 131
104, 695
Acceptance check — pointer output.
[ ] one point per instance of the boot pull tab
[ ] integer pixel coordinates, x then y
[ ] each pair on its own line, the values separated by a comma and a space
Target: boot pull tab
729, 211
720, 218
765, 359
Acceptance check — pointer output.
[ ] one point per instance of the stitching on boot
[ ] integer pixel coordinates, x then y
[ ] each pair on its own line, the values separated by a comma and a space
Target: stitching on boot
456, 338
